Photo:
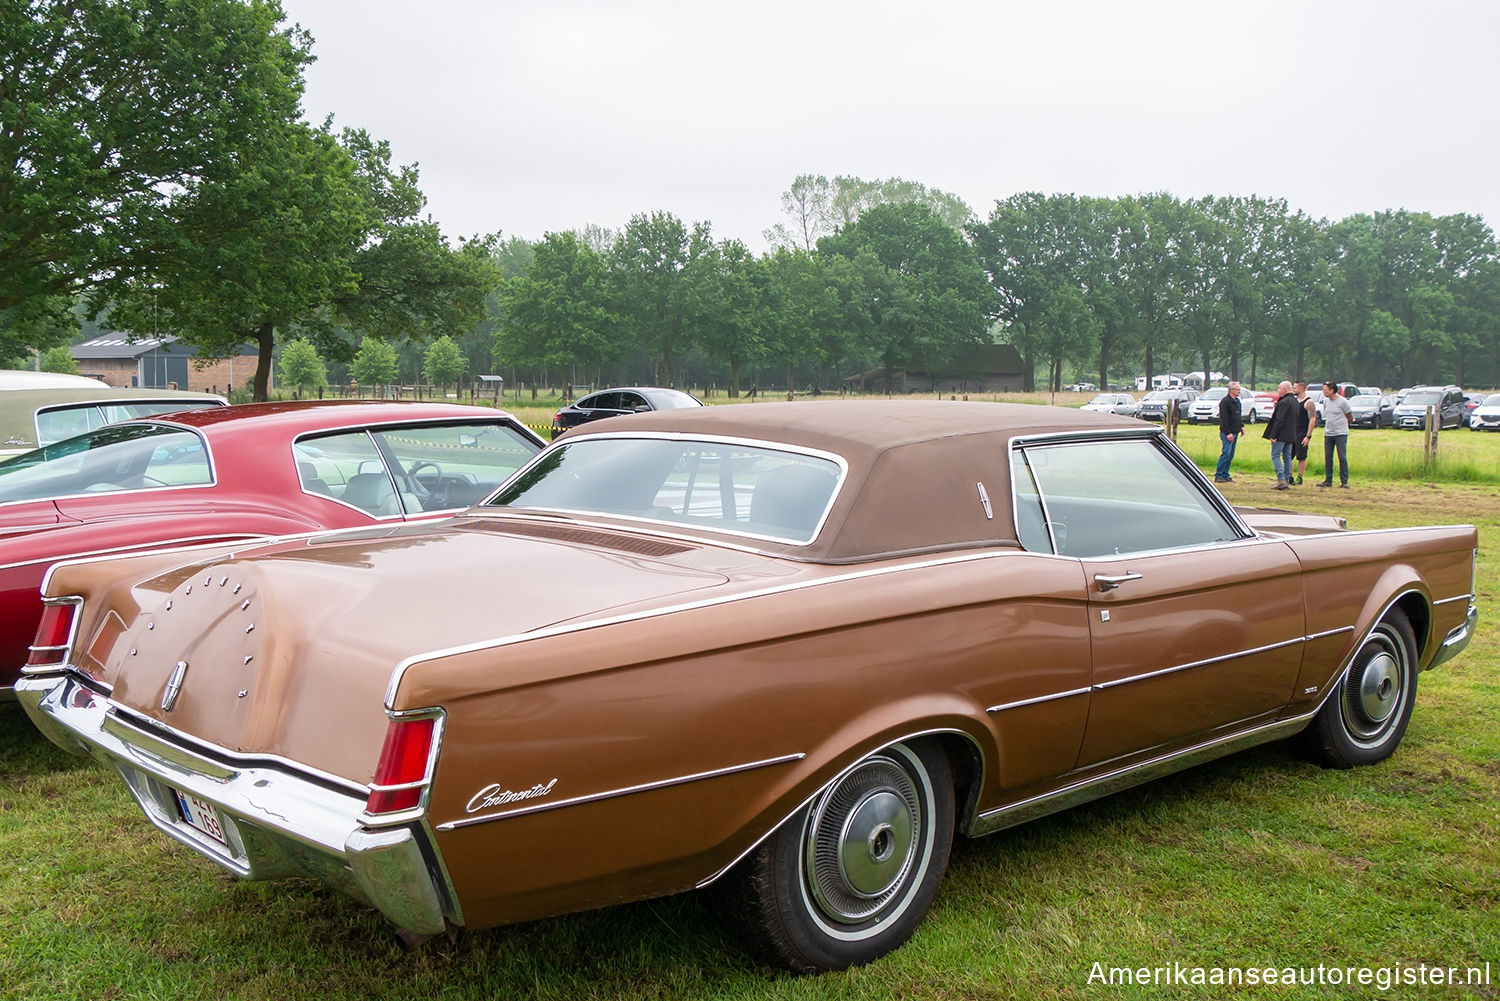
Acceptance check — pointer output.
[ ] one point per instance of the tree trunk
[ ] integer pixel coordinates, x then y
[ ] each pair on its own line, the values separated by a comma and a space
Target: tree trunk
265, 339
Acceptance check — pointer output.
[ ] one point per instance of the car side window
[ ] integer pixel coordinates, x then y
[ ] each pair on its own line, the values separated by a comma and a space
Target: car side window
1114, 497
452, 466
601, 401
630, 401
347, 467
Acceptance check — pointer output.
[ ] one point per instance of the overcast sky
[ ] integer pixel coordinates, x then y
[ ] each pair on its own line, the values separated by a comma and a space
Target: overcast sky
530, 117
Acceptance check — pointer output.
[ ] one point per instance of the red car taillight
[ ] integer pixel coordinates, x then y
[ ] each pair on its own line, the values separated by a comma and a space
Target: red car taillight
402, 773
53, 633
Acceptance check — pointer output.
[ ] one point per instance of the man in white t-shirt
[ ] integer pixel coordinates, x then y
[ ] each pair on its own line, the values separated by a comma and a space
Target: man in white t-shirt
1336, 411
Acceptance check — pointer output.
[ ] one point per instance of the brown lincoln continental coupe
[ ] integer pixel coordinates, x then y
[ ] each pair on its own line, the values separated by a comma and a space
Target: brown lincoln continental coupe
797, 646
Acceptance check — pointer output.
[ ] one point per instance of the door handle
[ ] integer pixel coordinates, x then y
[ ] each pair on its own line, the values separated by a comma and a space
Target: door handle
1108, 582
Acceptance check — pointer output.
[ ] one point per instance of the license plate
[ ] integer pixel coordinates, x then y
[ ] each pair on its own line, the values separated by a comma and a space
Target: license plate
201, 816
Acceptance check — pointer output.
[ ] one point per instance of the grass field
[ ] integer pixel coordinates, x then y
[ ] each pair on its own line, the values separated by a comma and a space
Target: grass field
1259, 860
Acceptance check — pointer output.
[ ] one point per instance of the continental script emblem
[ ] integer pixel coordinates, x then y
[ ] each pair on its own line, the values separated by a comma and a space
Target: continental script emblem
492, 795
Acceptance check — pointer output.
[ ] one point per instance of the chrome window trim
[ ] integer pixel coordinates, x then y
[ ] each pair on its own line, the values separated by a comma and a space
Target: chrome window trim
770, 446
368, 429
453, 825
1174, 456
189, 403
208, 452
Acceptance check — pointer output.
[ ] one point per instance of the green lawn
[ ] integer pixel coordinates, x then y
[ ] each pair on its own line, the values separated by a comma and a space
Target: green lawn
1259, 860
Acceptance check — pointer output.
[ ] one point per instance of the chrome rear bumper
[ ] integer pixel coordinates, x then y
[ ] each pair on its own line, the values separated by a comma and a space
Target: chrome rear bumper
275, 822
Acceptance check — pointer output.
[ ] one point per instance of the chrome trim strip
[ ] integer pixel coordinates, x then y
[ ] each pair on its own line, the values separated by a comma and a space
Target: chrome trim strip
454, 825
1171, 670
140, 549
1120, 779
1439, 601
1200, 663
574, 627
1039, 699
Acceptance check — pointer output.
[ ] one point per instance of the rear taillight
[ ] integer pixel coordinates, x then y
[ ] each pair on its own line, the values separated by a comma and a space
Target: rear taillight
405, 762
54, 633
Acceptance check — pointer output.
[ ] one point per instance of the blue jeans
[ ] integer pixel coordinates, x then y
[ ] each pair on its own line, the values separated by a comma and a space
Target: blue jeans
1282, 453
1339, 442
1226, 455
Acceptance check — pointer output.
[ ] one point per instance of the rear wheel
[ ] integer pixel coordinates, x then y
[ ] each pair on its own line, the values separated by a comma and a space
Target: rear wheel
1364, 720
849, 878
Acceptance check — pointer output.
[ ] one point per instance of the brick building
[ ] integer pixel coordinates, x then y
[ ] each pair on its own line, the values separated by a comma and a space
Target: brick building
160, 363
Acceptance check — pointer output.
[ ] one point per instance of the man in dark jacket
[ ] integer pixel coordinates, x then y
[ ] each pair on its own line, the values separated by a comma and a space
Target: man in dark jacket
1231, 423
1282, 431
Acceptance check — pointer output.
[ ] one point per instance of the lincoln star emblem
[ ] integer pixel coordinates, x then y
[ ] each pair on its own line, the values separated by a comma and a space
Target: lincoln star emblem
174, 687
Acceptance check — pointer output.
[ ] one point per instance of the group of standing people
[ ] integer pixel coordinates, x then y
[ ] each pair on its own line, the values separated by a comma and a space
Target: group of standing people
1290, 431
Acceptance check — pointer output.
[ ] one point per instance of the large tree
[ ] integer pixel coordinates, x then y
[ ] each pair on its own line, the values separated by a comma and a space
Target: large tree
305, 232
557, 313
652, 271
926, 297
108, 110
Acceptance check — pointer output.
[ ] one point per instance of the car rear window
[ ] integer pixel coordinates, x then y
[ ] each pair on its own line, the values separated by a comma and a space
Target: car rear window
721, 486
113, 459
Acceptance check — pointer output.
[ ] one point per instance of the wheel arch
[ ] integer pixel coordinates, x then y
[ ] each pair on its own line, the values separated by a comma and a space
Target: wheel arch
955, 736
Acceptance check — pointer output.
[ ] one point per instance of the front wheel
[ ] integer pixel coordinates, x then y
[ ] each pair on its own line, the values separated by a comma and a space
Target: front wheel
1364, 720
850, 876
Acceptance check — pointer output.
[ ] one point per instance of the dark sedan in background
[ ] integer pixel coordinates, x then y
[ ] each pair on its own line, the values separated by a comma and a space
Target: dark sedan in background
1154, 404
1369, 411
614, 402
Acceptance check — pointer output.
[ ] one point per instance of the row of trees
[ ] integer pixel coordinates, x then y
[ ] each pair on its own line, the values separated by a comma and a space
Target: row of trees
154, 170
1246, 286
1112, 286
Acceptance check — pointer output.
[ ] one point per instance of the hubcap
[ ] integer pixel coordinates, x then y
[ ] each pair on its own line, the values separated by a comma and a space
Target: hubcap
1373, 690
1378, 687
861, 840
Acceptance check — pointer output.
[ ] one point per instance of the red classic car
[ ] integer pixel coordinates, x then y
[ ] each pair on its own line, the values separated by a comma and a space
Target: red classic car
231, 473
797, 646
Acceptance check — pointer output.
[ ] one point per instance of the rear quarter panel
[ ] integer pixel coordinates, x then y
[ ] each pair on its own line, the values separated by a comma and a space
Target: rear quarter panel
625, 724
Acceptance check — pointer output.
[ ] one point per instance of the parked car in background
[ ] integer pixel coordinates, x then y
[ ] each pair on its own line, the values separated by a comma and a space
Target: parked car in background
1372, 410
234, 473
794, 646
1486, 416
616, 402
1205, 409
1369, 391
32, 416
1113, 403
1471, 402
1411, 411
1155, 403
1265, 405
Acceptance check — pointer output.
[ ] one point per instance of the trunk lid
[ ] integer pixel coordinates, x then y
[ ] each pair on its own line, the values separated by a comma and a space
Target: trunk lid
288, 649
